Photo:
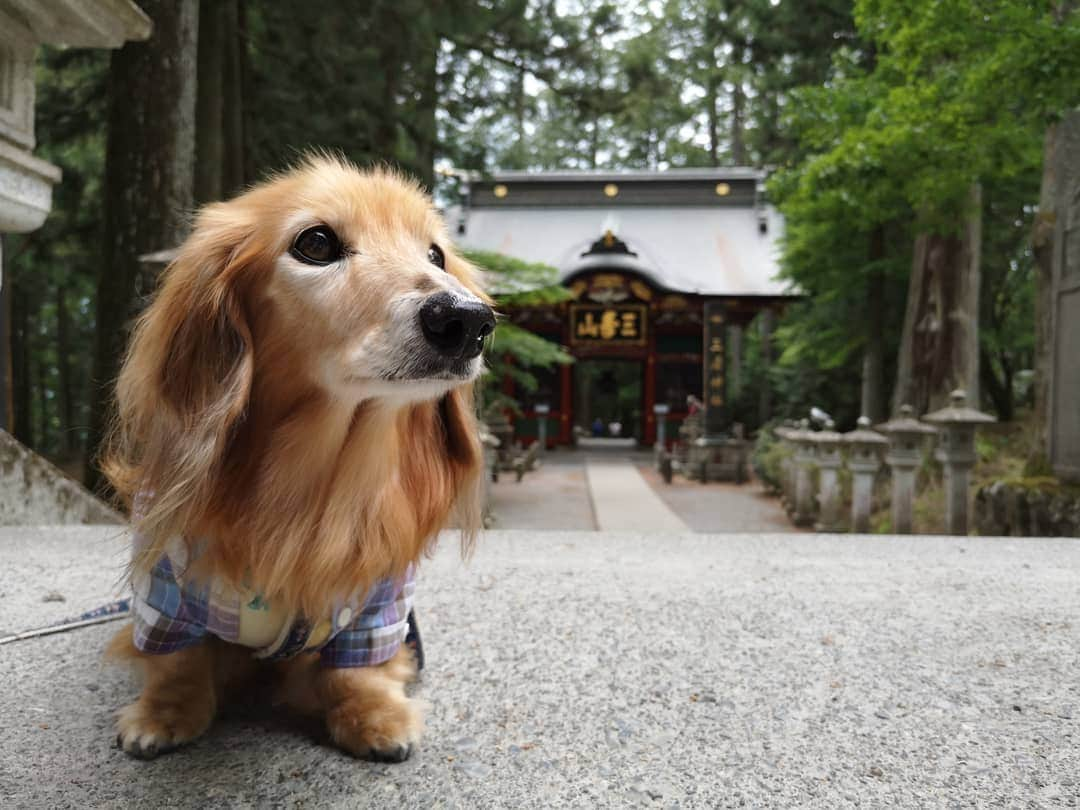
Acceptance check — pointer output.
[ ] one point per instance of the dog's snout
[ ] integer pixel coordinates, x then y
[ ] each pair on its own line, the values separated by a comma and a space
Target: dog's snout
456, 326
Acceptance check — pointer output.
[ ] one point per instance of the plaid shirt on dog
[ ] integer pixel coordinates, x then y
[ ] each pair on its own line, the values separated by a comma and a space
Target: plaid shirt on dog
171, 614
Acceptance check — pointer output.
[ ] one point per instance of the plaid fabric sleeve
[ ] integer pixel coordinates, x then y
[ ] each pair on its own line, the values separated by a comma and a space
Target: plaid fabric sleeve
375, 633
166, 617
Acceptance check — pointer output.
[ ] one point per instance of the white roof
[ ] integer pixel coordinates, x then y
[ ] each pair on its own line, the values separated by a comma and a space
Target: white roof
715, 250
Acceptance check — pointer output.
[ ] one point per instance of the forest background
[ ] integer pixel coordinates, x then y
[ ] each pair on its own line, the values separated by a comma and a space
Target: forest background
905, 138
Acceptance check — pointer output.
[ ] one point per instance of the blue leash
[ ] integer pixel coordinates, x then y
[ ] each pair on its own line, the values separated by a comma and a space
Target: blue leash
111, 612
121, 609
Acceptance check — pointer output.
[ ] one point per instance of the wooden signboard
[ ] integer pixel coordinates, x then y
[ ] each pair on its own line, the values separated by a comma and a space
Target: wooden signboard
715, 371
608, 324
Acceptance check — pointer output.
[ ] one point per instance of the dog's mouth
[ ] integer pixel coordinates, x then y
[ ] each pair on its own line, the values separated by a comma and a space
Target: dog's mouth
448, 370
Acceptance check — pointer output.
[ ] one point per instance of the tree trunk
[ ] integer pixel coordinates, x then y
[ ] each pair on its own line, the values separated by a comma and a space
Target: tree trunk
1042, 244
247, 170
738, 107
738, 124
998, 390
219, 108
6, 403
711, 97
424, 126
767, 321
209, 101
21, 387
149, 174
939, 349
873, 371
41, 386
233, 174
66, 404
385, 130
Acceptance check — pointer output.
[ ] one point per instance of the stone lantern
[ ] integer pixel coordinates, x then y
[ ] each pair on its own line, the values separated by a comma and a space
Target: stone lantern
32, 491
956, 451
783, 435
828, 444
803, 440
906, 435
661, 410
864, 460
542, 410
26, 181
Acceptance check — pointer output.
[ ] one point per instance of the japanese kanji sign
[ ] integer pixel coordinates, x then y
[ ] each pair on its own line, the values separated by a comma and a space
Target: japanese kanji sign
715, 393
617, 324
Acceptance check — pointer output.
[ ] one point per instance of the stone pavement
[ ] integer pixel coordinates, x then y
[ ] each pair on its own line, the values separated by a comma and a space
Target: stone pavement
620, 489
600, 669
720, 507
623, 500
554, 496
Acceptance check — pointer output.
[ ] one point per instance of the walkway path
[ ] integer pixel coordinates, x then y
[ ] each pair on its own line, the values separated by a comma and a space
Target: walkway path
624, 501
621, 490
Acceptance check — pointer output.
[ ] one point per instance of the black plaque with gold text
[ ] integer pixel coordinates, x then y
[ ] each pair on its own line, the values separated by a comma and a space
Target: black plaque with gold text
715, 371
608, 324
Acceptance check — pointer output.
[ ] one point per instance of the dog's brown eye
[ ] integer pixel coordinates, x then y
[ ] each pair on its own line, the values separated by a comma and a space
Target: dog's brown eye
318, 245
436, 257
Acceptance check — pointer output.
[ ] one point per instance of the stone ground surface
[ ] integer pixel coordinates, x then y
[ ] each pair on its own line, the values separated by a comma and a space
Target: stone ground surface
597, 669
623, 500
720, 507
561, 495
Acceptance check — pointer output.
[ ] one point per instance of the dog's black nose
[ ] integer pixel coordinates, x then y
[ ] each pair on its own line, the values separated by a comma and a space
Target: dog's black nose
456, 326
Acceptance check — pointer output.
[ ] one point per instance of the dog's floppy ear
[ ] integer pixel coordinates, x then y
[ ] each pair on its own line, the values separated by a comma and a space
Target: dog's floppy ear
186, 378
457, 412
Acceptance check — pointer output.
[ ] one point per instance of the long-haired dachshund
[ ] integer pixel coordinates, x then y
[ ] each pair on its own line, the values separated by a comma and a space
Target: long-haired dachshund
294, 425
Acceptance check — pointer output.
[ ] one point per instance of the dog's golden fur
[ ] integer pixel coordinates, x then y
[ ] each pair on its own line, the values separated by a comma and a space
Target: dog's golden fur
225, 415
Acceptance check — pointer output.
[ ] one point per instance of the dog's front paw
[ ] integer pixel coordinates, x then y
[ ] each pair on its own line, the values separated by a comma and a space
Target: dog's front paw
386, 731
145, 733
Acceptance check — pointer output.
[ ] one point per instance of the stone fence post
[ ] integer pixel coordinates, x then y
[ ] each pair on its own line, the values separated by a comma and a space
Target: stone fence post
906, 435
864, 460
787, 467
827, 445
542, 411
803, 439
956, 450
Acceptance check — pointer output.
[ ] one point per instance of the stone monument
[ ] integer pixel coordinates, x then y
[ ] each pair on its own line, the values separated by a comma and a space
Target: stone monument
25, 200
956, 451
1064, 433
864, 460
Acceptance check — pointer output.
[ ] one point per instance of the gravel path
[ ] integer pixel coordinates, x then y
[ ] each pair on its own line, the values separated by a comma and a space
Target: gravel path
599, 669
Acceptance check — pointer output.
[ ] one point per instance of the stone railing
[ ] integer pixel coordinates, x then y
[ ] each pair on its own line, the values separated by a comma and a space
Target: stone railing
816, 460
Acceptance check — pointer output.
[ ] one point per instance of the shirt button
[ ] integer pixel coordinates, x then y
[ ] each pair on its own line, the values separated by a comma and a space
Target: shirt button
344, 617
319, 635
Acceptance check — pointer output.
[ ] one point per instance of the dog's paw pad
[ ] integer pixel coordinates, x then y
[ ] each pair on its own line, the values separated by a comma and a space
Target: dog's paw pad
146, 737
143, 746
397, 753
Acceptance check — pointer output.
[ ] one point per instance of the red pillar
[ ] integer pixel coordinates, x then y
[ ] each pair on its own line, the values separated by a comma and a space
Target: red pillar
650, 384
566, 404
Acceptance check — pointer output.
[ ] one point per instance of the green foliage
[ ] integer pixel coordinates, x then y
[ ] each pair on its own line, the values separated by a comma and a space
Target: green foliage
932, 96
879, 114
514, 352
768, 458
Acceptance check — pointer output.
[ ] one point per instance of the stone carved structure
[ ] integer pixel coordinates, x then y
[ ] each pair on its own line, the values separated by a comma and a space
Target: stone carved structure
906, 438
956, 451
828, 452
1064, 433
864, 460
26, 197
